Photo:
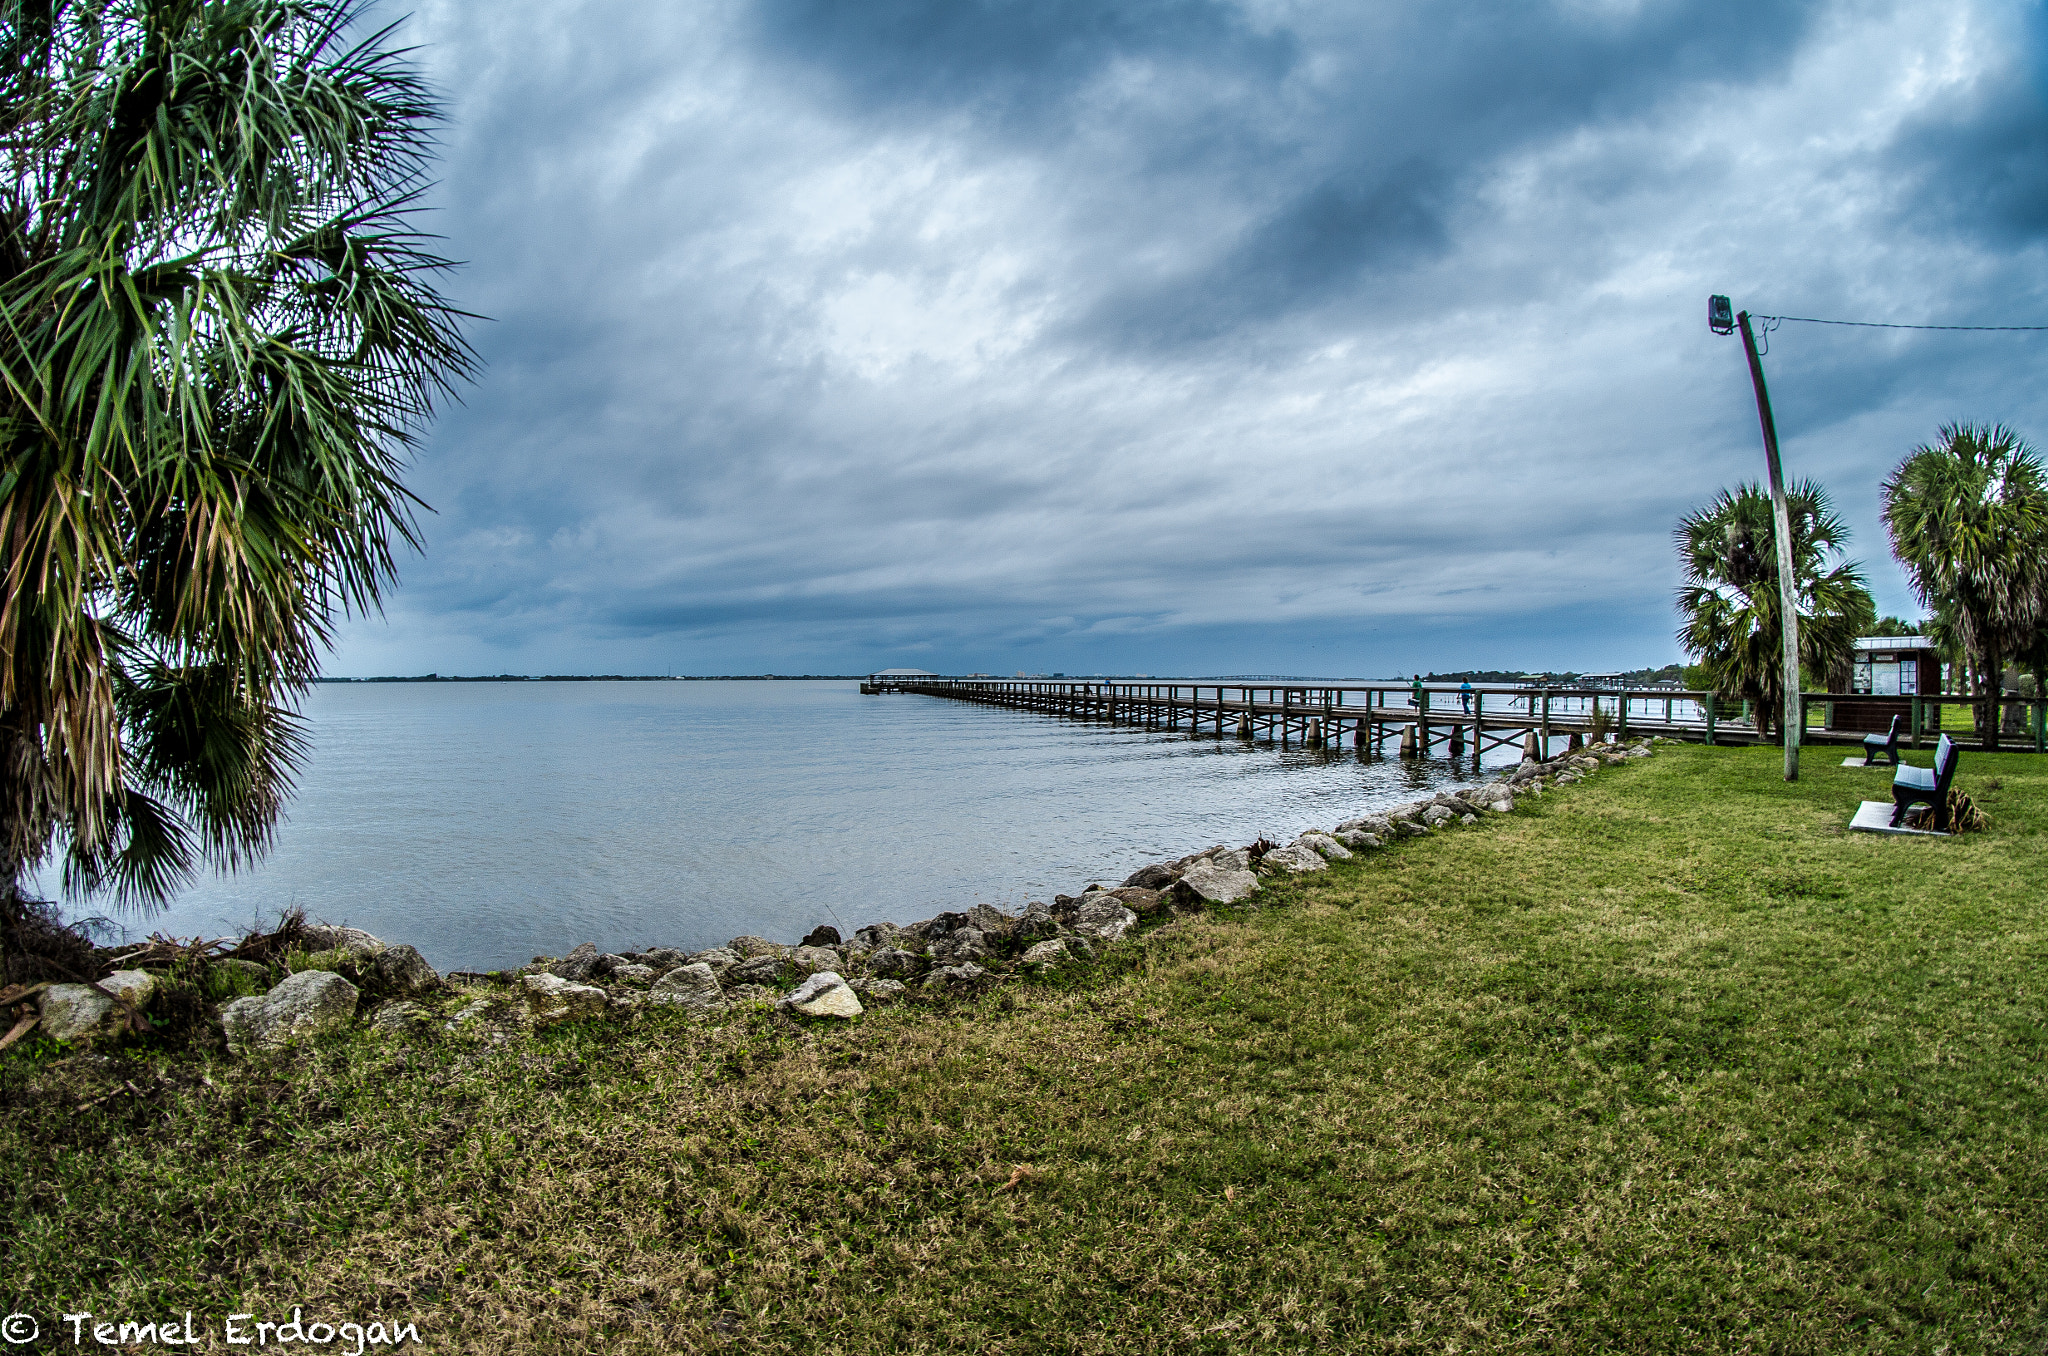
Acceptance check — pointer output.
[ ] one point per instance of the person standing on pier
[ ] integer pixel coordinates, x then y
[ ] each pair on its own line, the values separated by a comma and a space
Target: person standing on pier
1415, 700
1465, 695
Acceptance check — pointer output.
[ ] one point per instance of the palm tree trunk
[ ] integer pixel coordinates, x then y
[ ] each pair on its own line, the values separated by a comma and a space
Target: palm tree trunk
1991, 682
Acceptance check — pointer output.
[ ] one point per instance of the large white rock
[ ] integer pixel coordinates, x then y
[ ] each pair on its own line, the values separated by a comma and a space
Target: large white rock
689, 986
824, 994
307, 1004
1295, 857
1217, 885
1103, 916
550, 999
74, 1012
1326, 844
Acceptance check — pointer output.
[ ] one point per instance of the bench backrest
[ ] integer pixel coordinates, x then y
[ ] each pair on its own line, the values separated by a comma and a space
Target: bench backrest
1944, 765
1892, 736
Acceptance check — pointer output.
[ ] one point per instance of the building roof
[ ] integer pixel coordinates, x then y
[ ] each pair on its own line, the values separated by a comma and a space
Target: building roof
1895, 642
903, 673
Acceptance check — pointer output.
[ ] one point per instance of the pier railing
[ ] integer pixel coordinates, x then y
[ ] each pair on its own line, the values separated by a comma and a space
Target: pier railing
1475, 719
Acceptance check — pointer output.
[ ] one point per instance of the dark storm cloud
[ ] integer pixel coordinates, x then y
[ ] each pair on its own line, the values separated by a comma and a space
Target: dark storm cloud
1045, 335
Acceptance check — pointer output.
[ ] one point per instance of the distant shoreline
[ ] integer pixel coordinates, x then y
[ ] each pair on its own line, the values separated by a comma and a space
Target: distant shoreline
610, 678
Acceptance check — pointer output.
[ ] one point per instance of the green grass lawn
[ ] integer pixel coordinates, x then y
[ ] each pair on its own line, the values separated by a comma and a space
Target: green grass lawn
1665, 1062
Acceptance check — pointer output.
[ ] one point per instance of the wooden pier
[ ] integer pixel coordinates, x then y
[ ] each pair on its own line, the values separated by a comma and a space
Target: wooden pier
1419, 721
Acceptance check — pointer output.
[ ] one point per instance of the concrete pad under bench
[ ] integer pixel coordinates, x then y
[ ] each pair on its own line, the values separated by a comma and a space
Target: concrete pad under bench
1875, 816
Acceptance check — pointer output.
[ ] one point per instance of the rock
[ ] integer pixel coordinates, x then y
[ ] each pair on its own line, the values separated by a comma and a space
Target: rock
689, 986
990, 922
244, 967
893, 963
1103, 916
1141, 902
1468, 819
1232, 859
401, 969
1326, 844
401, 1017
945, 924
960, 947
750, 948
811, 959
75, 1012
578, 965
876, 936
1208, 883
1058, 951
719, 958
1158, 876
1436, 815
954, 976
760, 970
550, 999
305, 1005
1357, 838
634, 974
877, 990
824, 994
822, 935
328, 937
664, 958
1295, 857
1034, 926
133, 985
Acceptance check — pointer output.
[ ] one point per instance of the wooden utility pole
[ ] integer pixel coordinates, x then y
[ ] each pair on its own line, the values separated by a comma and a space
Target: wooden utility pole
1788, 590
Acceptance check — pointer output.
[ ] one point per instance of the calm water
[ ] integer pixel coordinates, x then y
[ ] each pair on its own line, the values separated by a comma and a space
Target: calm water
489, 822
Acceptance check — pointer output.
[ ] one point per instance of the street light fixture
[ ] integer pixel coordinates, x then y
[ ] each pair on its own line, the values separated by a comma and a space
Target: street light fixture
1794, 723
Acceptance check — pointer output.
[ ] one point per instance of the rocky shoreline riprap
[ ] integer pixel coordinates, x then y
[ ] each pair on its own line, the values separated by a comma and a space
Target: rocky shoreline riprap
307, 979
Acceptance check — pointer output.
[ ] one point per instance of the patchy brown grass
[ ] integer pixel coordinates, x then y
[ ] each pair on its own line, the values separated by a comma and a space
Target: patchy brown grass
1668, 1062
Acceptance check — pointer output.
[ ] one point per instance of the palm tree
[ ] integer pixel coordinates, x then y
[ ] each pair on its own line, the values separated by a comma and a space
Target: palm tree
1730, 597
218, 338
1968, 517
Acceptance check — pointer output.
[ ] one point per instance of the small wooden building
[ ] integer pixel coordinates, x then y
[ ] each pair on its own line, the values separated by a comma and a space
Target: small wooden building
1889, 671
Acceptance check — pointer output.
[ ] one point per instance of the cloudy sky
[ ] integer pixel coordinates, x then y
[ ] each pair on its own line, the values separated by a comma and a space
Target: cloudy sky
1184, 336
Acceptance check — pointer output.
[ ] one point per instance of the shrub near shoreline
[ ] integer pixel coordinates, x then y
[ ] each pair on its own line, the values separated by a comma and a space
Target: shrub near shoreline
1666, 1062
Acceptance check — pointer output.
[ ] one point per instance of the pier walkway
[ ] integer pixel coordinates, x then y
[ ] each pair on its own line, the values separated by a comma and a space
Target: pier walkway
1421, 720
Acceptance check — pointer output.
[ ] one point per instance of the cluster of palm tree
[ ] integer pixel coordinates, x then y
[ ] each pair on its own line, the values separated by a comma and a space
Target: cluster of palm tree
218, 337
1968, 519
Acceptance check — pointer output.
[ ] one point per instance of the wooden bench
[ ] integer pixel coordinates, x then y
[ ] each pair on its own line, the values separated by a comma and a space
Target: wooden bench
1918, 785
1876, 744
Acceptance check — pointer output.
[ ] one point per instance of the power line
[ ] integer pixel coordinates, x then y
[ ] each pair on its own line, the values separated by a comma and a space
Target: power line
1882, 325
